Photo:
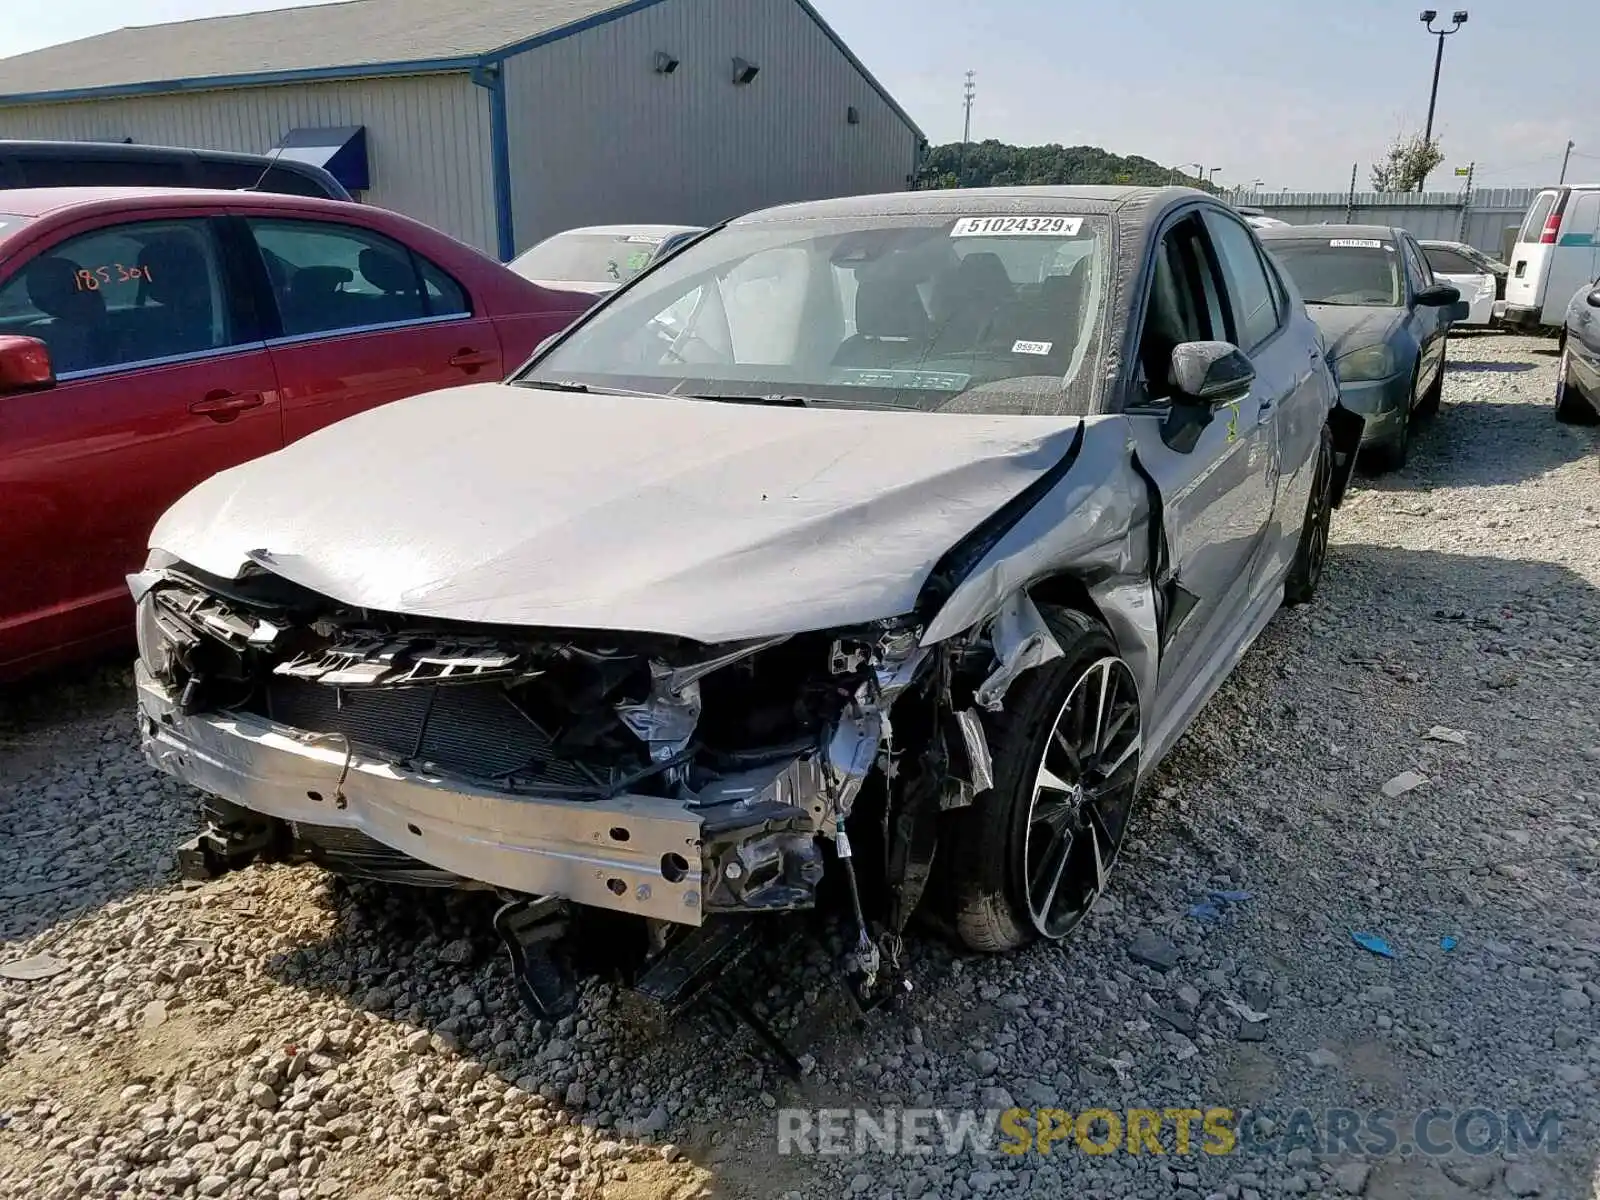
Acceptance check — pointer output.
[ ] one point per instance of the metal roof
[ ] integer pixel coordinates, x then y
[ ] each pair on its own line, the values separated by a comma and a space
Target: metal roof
345, 40
356, 33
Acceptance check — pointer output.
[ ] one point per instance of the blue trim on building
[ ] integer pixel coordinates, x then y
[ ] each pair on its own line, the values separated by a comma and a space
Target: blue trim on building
160, 87
492, 77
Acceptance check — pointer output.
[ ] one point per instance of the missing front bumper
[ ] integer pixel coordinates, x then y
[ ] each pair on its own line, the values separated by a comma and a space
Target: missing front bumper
642, 855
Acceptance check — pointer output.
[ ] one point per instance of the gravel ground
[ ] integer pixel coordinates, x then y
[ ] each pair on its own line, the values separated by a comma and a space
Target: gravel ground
276, 1034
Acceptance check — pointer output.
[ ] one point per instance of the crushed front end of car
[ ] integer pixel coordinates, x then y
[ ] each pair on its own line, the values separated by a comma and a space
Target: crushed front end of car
647, 775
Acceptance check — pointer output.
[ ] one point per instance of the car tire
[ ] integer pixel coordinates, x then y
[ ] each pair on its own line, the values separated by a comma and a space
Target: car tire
1031, 855
1571, 409
1305, 572
1429, 404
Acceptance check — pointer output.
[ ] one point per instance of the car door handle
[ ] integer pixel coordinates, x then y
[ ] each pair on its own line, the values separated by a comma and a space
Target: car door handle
469, 359
223, 405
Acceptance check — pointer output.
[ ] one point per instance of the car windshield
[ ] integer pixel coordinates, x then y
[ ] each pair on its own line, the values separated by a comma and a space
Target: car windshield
11, 225
1352, 271
928, 312
588, 257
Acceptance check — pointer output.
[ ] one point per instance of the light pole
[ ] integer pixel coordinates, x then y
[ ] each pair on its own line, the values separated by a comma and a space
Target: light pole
1211, 173
1565, 159
1458, 19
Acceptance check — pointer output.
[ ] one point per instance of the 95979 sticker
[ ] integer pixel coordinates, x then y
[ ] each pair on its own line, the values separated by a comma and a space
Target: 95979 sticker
1017, 227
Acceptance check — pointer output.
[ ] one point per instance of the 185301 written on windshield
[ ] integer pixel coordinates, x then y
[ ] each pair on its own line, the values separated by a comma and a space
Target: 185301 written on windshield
1015, 226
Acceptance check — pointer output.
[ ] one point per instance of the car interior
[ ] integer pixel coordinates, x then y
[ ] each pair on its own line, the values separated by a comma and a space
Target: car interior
117, 297
329, 280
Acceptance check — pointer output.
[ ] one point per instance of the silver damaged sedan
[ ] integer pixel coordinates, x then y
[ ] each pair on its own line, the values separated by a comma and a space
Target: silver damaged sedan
871, 549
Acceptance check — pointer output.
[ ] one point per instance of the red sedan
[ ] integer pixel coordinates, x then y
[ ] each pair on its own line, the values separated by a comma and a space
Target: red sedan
150, 338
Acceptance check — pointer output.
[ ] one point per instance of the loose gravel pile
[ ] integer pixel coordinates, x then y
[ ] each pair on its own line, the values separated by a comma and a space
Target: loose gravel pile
1413, 757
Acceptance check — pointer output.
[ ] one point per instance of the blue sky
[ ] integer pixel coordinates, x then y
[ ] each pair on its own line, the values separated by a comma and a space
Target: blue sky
1288, 93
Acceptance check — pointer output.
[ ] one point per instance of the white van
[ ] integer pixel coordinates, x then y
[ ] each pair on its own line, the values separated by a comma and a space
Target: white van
1557, 252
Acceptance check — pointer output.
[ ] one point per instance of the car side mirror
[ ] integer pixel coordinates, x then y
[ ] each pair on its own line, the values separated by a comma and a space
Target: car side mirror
1594, 298
1209, 373
1439, 295
1202, 375
24, 365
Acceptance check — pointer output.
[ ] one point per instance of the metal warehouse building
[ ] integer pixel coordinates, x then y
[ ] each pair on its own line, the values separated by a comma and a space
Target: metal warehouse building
499, 121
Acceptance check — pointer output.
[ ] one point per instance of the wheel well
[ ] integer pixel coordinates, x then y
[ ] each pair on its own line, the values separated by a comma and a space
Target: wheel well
1068, 591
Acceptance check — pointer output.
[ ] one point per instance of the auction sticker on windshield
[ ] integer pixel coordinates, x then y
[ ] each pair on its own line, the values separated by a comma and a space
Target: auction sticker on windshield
1357, 243
1017, 226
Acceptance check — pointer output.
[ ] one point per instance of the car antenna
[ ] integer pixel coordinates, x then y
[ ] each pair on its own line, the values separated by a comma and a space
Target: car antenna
272, 161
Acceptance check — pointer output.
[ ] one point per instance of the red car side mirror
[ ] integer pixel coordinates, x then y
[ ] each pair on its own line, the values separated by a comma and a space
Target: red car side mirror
24, 365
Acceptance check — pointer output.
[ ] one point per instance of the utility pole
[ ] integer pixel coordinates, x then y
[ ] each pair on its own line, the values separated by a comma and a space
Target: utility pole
1565, 159
1466, 201
1459, 17
968, 90
1350, 204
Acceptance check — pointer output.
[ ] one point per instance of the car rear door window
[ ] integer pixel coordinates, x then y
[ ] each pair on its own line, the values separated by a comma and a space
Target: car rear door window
1251, 301
1448, 262
329, 278
122, 295
50, 171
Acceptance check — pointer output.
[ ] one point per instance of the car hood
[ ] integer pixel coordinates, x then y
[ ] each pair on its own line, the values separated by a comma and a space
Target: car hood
712, 521
588, 287
1349, 327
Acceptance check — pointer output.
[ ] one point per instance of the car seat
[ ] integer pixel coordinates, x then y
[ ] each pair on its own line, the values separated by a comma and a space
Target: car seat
178, 278
965, 301
76, 330
890, 323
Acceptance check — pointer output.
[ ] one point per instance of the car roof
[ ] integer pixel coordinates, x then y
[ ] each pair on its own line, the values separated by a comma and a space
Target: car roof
1131, 207
40, 202
1318, 232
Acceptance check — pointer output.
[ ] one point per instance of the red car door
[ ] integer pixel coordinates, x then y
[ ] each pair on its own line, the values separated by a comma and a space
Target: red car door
161, 381
365, 320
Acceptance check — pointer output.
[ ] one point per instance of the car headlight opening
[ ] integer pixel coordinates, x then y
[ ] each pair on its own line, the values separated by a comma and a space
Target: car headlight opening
1368, 363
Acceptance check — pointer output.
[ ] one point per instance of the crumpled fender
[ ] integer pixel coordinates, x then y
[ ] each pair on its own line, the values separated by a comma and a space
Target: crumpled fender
1346, 428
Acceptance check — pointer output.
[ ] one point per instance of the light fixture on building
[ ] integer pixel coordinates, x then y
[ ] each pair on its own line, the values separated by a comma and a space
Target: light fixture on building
852, 115
665, 63
744, 71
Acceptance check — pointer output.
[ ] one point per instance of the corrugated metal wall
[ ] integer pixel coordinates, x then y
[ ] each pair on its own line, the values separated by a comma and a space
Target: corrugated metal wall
427, 135
597, 136
1479, 219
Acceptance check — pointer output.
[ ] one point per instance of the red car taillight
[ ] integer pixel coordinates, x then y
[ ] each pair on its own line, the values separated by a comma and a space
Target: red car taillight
1552, 228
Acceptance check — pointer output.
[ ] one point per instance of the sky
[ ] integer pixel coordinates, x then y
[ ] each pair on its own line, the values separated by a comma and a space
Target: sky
1286, 93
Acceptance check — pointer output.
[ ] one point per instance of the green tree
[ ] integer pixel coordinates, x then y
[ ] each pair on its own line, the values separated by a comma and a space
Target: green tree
996, 164
1406, 164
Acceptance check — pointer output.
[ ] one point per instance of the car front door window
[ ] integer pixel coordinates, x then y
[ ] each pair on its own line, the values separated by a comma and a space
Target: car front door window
121, 296
1252, 304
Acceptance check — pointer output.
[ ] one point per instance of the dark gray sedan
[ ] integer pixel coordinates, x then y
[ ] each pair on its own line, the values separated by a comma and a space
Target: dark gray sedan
896, 536
1386, 318
1578, 375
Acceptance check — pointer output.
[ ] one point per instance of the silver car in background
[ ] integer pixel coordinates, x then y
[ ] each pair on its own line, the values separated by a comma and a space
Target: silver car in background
599, 258
889, 540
